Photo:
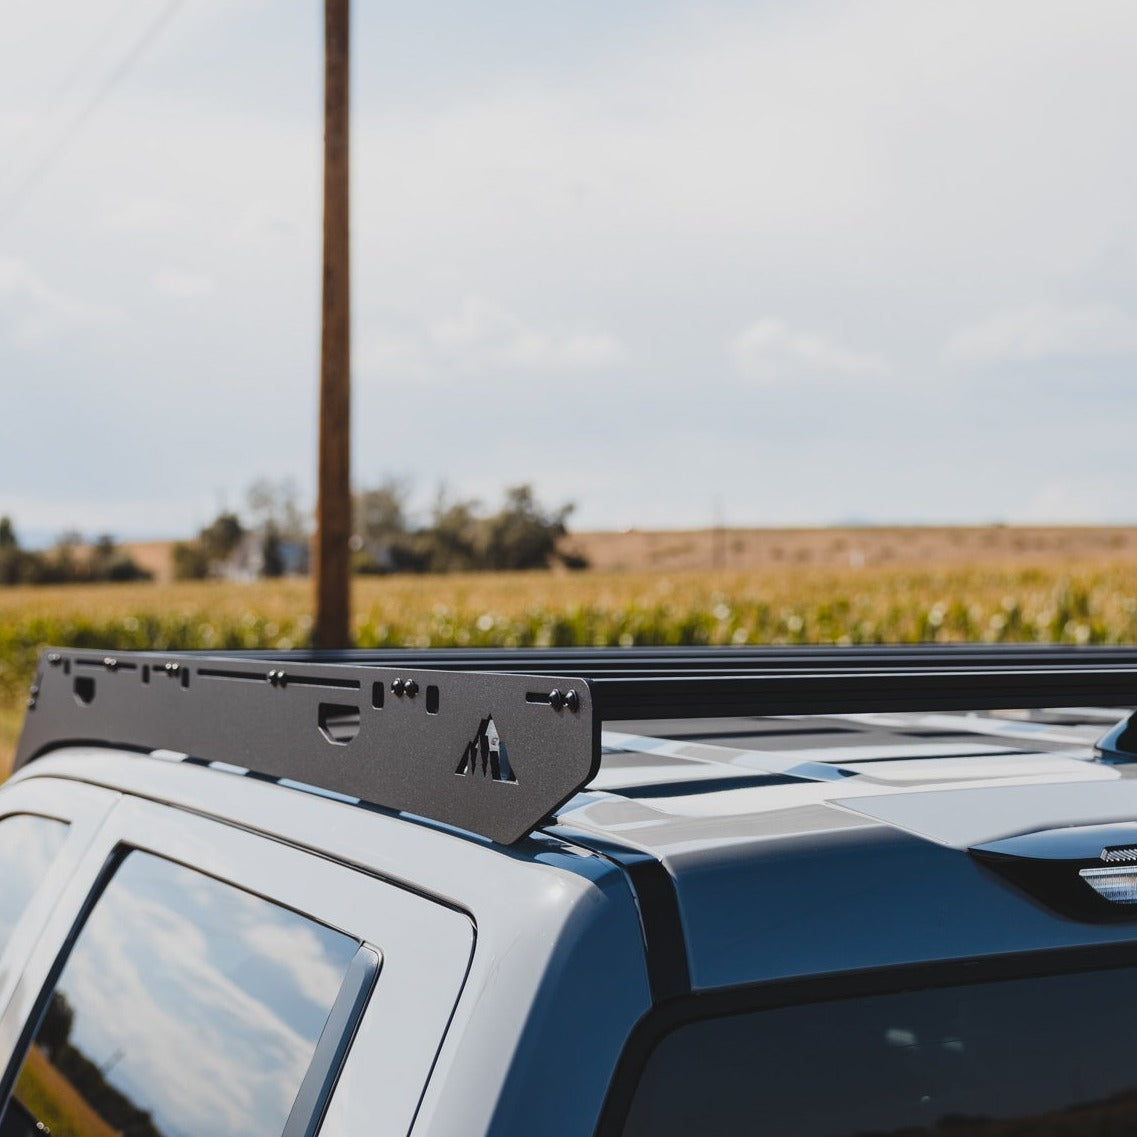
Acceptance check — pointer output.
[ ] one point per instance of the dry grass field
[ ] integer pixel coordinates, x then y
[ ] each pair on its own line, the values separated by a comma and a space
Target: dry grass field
853, 547
744, 550
1059, 594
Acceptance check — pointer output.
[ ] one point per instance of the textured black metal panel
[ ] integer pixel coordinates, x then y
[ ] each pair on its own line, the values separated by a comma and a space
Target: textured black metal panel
491, 741
500, 753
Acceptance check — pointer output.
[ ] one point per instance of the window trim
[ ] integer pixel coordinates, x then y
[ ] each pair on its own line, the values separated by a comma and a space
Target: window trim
665, 1018
311, 1102
83, 809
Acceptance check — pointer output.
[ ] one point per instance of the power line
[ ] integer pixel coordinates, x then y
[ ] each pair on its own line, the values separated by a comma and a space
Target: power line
96, 45
12, 200
26, 140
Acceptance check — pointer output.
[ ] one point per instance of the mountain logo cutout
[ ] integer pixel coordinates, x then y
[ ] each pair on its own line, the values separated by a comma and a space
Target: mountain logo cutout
486, 755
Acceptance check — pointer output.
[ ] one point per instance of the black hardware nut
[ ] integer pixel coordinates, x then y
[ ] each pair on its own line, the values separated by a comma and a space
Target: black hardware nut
559, 699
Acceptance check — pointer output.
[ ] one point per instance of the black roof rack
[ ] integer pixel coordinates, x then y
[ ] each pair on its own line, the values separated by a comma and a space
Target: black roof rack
493, 741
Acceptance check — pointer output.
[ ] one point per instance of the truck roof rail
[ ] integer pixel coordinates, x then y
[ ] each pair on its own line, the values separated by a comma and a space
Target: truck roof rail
493, 741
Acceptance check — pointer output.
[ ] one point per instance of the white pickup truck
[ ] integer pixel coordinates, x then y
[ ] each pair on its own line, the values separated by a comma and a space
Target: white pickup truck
806, 893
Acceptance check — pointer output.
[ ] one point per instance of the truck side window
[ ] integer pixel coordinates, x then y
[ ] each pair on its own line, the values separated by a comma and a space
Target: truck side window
187, 1008
1024, 1056
28, 845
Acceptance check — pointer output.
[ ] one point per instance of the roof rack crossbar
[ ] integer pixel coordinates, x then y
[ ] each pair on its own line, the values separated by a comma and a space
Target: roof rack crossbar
494, 741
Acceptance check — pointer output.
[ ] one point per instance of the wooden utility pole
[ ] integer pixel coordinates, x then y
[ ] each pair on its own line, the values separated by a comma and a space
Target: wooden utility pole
333, 521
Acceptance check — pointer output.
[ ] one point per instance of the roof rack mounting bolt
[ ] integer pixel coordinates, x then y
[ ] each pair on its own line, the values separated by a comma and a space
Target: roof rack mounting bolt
397, 687
110, 663
54, 658
559, 699
411, 688
173, 668
277, 677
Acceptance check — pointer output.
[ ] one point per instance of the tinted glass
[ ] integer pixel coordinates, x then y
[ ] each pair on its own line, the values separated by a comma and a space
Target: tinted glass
1022, 1057
187, 1008
28, 845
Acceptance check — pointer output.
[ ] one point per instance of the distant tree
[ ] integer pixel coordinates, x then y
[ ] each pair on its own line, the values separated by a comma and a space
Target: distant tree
11, 556
55, 1030
69, 560
197, 559
459, 537
453, 541
191, 561
278, 503
523, 534
383, 538
107, 561
275, 514
272, 552
62, 560
381, 512
18, 566
222, 536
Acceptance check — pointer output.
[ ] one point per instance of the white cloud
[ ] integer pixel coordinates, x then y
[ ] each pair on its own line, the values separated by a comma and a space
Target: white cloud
387, 354
298, 951
770, 351
482, 335
877, 174
31, 310
183, 285
1046, 331
483, 332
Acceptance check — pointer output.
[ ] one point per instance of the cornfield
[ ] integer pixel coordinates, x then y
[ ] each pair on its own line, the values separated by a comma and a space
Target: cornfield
1067, 603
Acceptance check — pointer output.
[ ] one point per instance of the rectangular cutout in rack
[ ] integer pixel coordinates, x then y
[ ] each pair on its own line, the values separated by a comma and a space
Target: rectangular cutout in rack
308, 724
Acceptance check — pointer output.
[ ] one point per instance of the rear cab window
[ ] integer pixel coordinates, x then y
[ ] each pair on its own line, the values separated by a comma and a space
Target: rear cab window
1031, 1055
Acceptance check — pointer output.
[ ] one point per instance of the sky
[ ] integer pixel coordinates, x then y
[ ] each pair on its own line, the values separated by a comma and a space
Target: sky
678, 262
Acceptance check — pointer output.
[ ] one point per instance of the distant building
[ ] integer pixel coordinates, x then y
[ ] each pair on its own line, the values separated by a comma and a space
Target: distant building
247, 561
